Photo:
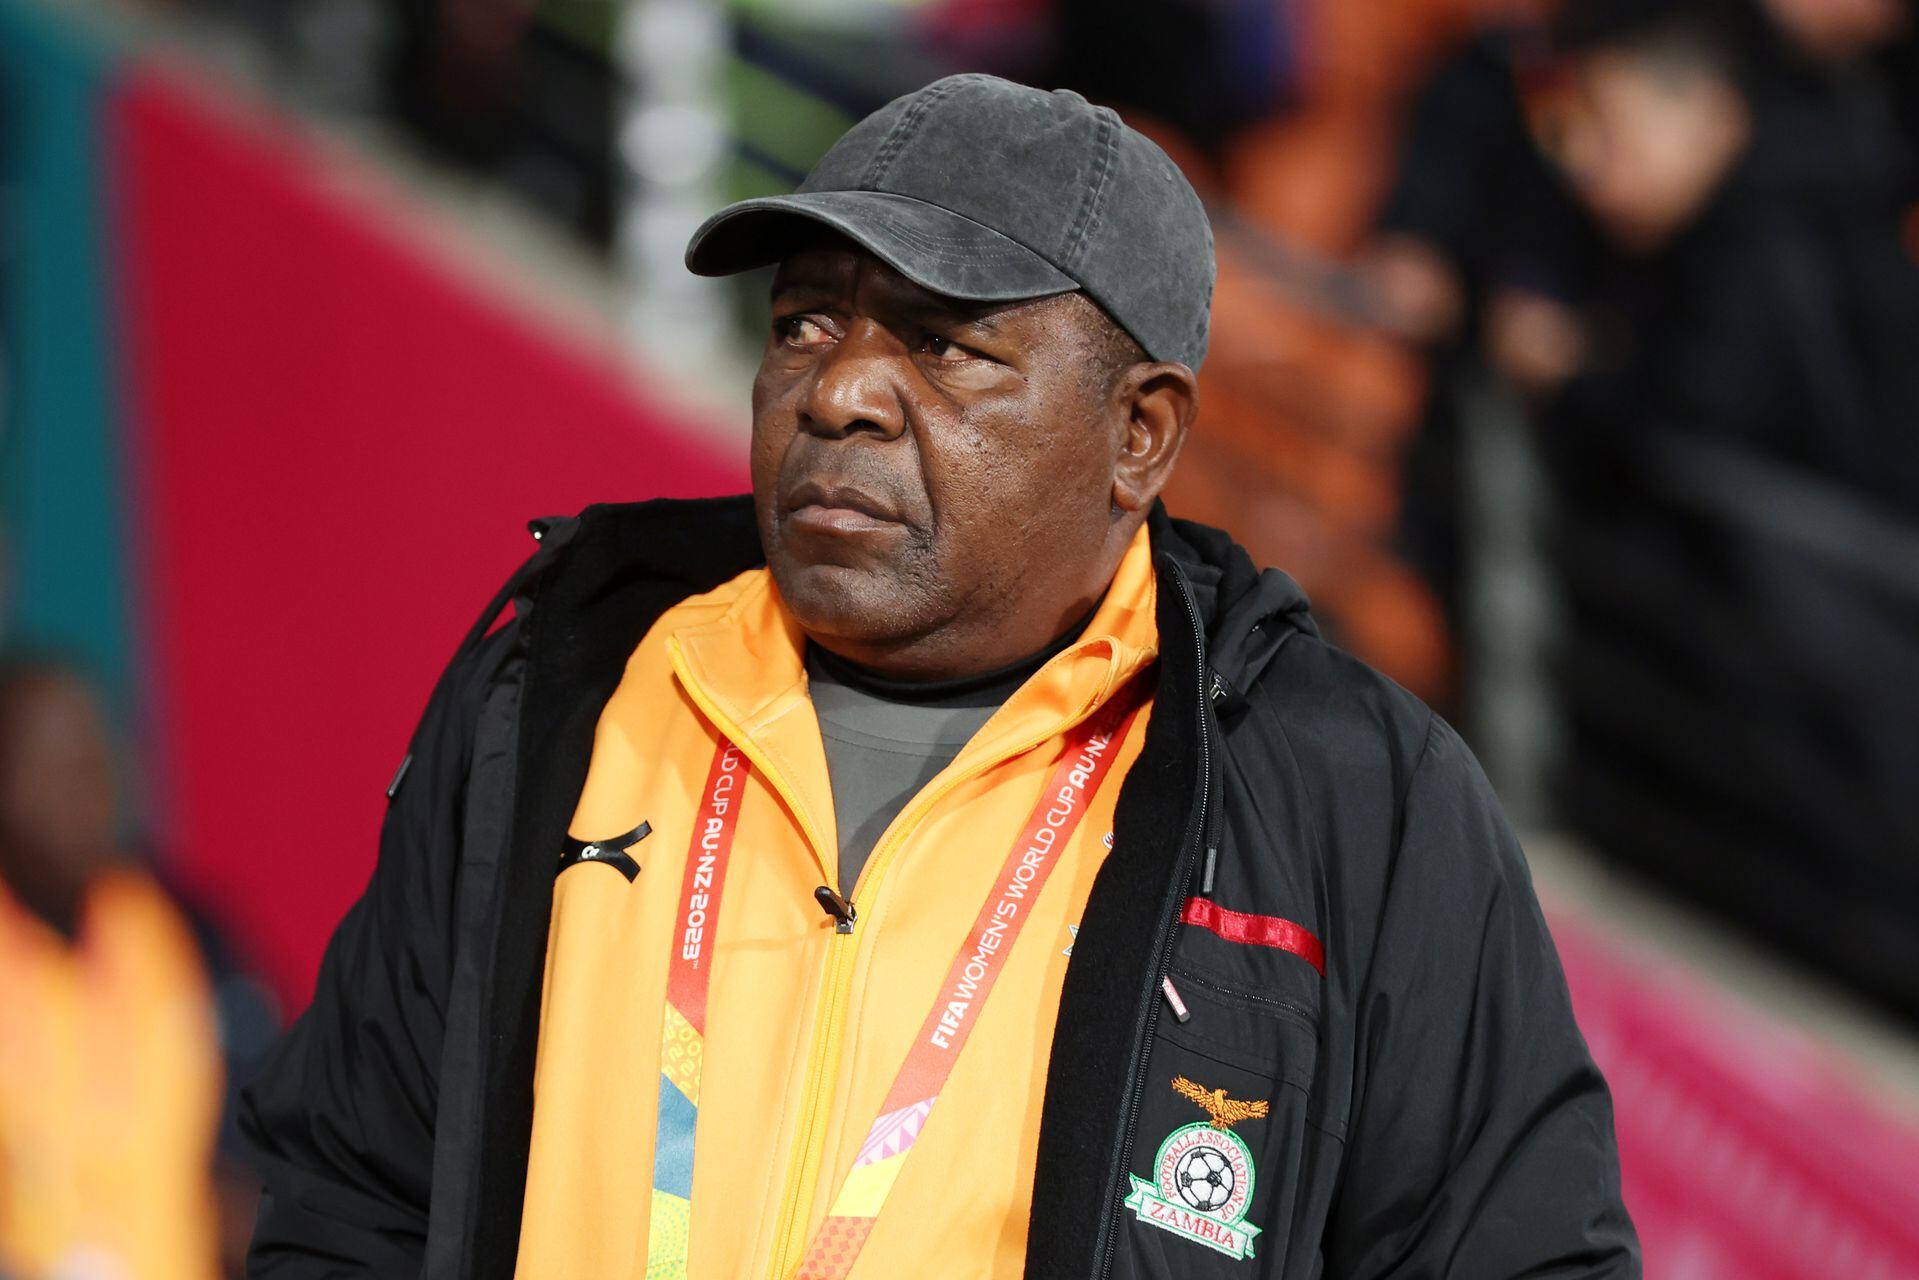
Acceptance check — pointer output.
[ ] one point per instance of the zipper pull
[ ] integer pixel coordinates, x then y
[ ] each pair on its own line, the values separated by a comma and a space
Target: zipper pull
839, 908
1172, 998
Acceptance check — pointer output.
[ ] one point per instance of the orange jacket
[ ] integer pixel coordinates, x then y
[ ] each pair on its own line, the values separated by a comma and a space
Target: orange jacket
806, 1027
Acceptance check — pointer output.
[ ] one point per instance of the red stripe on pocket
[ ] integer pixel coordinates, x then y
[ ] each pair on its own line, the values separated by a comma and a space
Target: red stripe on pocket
1257, 931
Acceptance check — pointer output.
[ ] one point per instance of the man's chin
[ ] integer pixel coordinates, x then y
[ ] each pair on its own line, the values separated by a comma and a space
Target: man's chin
859, 604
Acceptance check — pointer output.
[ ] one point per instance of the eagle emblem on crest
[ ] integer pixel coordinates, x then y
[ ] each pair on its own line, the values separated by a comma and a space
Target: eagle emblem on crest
1226, 1112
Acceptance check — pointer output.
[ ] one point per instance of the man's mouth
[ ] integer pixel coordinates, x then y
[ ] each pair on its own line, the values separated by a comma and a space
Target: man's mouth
838, 508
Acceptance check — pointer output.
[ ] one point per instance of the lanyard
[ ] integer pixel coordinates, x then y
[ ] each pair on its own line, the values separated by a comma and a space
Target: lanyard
683, 1027
1086, 761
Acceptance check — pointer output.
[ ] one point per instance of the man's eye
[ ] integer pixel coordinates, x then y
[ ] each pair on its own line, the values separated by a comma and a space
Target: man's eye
944, 349
801, 331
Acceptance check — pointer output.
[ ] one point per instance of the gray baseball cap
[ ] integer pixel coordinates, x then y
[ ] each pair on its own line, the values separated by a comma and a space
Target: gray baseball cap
978, 188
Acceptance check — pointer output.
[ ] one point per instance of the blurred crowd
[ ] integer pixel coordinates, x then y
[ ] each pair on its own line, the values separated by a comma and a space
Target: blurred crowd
1667, 249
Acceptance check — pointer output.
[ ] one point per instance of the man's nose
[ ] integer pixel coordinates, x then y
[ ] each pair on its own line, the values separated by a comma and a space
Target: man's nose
854, 386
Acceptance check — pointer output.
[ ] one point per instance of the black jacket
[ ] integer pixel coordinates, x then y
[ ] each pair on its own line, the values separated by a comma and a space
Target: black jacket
1433, 1108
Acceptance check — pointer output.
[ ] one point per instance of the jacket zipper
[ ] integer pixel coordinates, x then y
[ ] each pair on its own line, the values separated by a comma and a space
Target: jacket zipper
802, 1180
822, 1066
822, 1062
1107, 1247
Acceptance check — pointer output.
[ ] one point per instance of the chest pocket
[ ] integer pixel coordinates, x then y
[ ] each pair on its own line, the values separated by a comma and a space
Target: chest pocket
1223, 1133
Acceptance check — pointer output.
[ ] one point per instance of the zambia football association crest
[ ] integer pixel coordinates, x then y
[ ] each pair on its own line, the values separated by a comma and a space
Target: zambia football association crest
1202, 1181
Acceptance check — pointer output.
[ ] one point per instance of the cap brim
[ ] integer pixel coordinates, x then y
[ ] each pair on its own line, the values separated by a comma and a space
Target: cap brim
935, 248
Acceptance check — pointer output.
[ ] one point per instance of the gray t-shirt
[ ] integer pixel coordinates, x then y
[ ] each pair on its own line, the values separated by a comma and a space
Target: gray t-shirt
886, 739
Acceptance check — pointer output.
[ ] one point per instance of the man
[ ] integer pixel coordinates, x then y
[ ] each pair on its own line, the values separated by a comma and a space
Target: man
945, 863
110, 1070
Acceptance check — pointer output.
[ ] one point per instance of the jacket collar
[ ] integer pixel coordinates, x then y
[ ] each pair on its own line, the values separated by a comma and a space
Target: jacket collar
1245, 614
746, 671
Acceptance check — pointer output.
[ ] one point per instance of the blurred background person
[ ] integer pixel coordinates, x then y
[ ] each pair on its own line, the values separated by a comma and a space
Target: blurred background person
119, 1009
1746, 366
1684, 245
110, 1079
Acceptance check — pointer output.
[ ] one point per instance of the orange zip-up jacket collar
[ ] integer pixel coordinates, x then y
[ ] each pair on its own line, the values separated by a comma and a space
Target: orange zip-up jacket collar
806, 1026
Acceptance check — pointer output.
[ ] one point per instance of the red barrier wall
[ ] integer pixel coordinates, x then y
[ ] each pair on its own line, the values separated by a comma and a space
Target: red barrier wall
337, 445
1748, 1153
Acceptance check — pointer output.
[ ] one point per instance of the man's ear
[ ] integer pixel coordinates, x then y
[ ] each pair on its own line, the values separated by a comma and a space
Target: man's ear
1158, 402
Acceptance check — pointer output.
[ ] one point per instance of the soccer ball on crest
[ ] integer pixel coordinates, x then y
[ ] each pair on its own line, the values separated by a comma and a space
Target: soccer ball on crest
1204, 1179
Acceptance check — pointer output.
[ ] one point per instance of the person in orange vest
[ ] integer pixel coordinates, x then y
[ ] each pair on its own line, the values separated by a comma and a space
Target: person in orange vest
110, 1065
942, 862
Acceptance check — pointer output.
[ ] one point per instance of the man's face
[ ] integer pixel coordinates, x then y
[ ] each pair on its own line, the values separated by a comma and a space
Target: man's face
927, 470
